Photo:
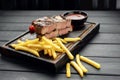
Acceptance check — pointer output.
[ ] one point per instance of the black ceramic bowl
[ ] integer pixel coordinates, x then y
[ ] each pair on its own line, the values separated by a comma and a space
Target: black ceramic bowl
78, 18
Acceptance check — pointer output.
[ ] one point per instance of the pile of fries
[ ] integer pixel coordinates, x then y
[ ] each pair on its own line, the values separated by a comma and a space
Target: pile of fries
50, 46
79, 67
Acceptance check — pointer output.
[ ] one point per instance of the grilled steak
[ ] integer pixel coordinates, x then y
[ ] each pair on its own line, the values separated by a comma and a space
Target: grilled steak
52, 26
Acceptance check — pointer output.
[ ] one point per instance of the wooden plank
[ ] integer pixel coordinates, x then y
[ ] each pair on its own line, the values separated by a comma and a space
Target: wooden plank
97, 50
107, 38
110, 28
106, 28
15, 65
1, 43
101, 50
29, 19
8, 75
38, 13
8, 35
16, 19
109, 66
30, 13
108, 20
14, 26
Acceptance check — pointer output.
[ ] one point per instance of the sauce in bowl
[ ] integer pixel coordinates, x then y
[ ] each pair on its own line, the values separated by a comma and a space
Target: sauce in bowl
75, 16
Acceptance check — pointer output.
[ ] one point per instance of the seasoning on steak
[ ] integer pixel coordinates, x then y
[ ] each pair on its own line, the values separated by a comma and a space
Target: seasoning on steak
52, 26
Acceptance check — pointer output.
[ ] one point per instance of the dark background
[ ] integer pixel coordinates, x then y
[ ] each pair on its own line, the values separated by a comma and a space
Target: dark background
58, 4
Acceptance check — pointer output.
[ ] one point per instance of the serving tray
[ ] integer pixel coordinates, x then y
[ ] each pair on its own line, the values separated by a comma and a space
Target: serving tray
89, 30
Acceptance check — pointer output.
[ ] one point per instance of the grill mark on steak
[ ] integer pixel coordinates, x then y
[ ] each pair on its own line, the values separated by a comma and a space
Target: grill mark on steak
52, 27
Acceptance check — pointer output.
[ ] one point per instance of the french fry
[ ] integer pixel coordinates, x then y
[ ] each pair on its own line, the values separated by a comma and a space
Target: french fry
41, 42
91, 62
19, 41
69, 54
52, 44
39, 46
49, 46
34, 45
55, 41
34, 52
38, 49
54, 53
80, 64
46, 46
68, 71
49, 52
63, 41
29, 42
45, 51
79, 70
13, 45
71, 39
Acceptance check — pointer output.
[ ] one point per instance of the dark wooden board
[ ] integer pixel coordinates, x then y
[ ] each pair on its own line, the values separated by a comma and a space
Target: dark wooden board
90, 30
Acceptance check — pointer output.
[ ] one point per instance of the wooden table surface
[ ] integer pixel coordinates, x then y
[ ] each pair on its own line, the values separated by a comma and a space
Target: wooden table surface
103, 48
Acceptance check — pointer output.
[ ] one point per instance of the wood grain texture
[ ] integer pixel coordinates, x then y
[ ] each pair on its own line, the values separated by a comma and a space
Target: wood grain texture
106, 38
102, 38
110, 28
29, 19
9, 35
14, 26
103, 48
104, 28
1, 43
38, 13
7, 75
109, 66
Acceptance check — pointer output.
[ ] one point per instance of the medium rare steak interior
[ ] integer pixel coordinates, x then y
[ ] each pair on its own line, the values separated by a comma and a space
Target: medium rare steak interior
52, 26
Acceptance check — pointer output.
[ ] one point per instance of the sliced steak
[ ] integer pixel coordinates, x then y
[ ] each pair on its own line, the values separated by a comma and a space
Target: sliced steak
52, 27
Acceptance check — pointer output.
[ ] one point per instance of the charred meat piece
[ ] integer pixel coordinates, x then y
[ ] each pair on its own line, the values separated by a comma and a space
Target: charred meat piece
43, 25
52, 26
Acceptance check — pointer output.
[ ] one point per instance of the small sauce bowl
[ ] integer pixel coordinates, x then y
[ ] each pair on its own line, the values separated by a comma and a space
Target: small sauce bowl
77, 18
